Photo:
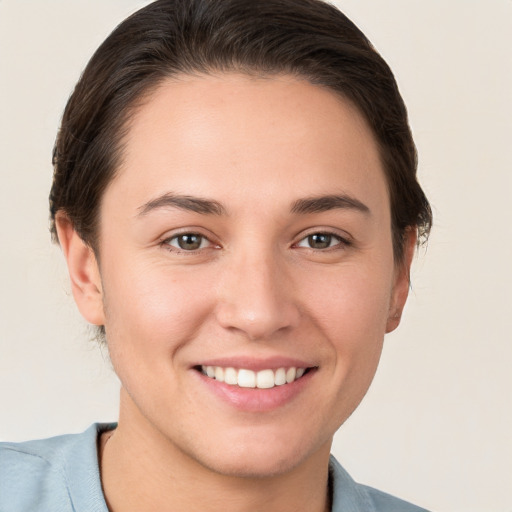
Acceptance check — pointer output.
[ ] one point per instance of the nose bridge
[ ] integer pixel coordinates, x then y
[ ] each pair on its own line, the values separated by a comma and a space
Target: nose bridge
256, 294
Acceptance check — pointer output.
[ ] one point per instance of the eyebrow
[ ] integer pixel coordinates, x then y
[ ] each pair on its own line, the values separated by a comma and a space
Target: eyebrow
315, 204
318, 204
183, 202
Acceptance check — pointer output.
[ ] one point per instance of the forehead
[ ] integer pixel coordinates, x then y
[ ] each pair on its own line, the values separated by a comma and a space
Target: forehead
230, 136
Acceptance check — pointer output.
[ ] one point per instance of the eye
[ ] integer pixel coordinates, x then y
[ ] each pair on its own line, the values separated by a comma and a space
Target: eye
320, 241
188, 241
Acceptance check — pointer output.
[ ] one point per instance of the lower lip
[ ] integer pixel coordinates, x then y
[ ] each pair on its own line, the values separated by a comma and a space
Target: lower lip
255, 399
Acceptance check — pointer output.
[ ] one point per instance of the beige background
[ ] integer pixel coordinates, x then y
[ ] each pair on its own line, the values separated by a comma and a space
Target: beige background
436, 425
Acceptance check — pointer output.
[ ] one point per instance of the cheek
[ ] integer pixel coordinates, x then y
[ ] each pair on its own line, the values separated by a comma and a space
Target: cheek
352, 310
153, 309
353, 305
150, 315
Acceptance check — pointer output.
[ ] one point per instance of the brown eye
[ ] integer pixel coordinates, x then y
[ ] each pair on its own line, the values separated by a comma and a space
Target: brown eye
188, 241
320, 241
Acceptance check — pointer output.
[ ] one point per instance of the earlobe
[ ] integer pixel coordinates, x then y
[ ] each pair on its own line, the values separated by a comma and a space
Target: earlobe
402, 281
83, 271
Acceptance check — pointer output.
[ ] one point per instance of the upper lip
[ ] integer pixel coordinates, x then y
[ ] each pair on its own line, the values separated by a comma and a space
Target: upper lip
256, 364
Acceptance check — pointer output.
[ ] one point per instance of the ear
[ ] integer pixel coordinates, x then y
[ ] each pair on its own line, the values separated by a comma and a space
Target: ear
401, 281
83, 271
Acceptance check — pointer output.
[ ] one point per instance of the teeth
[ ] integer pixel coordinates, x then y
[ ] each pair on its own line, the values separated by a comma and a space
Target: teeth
246, 379
280, 377
291, 373
231, 376
264, 379
219, 373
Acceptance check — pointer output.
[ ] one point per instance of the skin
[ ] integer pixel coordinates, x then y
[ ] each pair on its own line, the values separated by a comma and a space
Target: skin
254, 289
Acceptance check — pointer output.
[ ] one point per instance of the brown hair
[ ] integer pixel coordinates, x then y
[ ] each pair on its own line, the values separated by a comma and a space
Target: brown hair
306, 38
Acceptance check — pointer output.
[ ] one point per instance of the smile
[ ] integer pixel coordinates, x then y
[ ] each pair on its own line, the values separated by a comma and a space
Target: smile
263, 379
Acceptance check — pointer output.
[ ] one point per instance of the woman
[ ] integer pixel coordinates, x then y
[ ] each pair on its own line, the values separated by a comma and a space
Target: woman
235, 194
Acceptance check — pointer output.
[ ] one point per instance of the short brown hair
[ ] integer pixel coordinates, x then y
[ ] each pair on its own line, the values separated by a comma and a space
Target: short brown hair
306, 38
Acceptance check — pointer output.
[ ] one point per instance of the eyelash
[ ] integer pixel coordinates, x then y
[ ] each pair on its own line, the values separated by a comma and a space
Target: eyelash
340, 242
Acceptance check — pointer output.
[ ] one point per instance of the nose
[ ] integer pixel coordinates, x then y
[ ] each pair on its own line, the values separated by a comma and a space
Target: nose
256, 297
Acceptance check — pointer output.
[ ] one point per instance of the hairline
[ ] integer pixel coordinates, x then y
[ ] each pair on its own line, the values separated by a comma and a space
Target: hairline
164, 75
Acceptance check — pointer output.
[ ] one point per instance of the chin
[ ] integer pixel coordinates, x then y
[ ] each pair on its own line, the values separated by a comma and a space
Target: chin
263, 459
248, 466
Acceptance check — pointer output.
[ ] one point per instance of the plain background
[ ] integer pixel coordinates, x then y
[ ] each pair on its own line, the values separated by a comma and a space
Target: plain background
436, 425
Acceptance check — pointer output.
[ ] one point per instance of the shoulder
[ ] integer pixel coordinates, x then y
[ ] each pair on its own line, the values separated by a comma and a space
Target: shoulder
349, 496
32, 475
385, 502
42, 475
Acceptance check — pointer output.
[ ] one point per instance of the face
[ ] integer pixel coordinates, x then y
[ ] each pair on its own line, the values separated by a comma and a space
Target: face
246, 242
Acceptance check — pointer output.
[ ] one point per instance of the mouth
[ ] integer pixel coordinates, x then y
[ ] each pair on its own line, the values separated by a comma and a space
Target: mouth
246, 378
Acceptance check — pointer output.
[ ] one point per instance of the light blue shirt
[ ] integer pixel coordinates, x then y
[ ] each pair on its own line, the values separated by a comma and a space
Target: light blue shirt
61, 474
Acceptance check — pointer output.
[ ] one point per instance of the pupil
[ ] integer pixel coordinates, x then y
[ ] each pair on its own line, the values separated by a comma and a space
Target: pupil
189, 242
319, 241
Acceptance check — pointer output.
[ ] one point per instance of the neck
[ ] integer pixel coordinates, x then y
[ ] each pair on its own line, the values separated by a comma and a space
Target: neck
142, 470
